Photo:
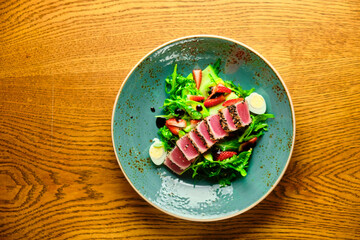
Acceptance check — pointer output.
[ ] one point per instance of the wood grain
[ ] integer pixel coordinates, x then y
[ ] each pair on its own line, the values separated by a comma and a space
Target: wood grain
62, 63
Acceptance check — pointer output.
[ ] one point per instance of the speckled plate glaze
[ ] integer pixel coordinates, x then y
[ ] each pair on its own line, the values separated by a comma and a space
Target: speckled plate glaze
133, 128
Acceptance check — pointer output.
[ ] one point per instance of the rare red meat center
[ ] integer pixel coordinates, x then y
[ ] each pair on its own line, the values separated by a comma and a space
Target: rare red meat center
203, 131
185, 145
177, 157
216, 131
198, 141
206, 134
227, 121
243, 112
172, 166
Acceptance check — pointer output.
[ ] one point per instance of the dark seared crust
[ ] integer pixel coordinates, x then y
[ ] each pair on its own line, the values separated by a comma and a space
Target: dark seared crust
223, 122
209, 131
201, 137
193, 142
234, 115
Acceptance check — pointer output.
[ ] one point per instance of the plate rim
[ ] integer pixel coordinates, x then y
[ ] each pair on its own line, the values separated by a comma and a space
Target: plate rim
293, 121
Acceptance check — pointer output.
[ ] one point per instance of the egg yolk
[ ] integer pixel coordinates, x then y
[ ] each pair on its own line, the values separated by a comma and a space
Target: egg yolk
156, 152
257, 101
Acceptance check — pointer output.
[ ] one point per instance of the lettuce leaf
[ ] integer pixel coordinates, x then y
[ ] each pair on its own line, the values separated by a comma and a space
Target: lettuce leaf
167, 138
256, 128
224, 171
238, 89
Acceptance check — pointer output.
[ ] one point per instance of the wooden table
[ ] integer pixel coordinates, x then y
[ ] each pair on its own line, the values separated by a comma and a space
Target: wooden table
63, 62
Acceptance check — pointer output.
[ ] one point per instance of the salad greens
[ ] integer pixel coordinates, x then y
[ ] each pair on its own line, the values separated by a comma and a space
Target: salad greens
179, 106
222, 171
256, 129
238, 89
178, 88
167, 138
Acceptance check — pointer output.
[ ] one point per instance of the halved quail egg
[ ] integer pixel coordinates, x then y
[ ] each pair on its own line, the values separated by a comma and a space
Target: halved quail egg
256, 103
157, 152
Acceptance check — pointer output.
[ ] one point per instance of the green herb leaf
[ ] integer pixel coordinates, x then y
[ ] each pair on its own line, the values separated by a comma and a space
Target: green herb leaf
167, 138
238, 89
222, 171
256, 127
216, 66
228, 145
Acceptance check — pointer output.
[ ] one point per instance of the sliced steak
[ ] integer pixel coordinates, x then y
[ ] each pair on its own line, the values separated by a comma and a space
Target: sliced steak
215, 129
235, 117
205, 135
226, 120
186, 146
243, 113
203, 131
172, 166
197, 141
177, 157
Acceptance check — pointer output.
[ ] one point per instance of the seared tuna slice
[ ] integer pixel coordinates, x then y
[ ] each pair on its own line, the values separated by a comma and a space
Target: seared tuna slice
202, 129
186, 146
197, 141
177, 157
173, 167
226, 120
243, 112
216, 131
235, 116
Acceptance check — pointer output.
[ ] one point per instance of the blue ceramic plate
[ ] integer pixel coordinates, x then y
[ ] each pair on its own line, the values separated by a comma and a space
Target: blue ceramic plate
133, 128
